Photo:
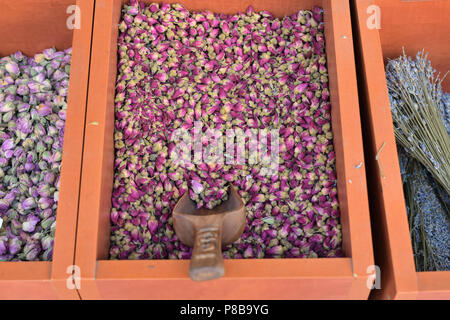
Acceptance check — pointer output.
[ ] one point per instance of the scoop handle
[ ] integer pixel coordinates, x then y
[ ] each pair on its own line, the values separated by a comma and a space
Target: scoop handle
207, 260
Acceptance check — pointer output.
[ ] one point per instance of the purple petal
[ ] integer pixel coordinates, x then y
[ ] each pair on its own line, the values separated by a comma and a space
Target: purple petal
47, 242
153, 225
197, 187
8, 144
14, 245
30, 224
6, 107
28, 204
12, 67
43, 110
24, 125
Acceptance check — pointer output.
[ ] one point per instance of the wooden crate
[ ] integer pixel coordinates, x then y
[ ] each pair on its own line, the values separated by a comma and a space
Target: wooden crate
415, 25
333, 278
32, 26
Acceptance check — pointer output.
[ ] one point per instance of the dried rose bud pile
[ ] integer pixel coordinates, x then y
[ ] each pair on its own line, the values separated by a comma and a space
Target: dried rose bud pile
33, 102
243, 71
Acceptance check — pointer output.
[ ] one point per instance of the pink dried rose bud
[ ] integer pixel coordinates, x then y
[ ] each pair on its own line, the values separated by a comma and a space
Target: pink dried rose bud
228, 71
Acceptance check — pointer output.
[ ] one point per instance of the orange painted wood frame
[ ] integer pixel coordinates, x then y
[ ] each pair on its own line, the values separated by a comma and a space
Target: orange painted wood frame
333, 278
32, 26
417, 25
390, 230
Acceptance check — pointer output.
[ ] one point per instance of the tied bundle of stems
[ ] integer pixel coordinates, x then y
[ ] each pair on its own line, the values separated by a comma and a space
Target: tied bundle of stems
415, 94
428, 215
420, 113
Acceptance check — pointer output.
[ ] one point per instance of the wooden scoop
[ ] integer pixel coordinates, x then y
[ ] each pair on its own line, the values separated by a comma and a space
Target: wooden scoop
206, 230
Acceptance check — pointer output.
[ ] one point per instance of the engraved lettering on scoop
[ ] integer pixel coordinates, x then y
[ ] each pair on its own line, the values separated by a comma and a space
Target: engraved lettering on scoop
207, 239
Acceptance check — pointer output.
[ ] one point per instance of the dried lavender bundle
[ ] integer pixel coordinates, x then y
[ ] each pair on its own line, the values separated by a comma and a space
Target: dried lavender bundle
428, 214
445, 110
415, 95
421, 120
